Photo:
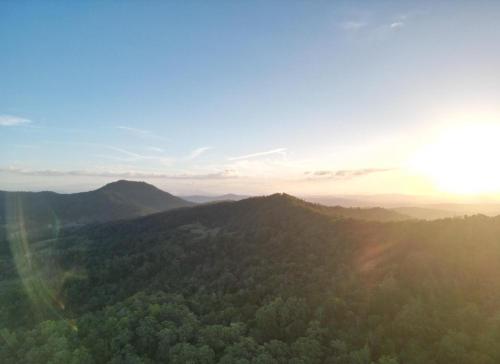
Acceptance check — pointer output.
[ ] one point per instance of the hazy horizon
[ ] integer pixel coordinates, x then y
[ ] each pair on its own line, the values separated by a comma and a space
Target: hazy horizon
388, 200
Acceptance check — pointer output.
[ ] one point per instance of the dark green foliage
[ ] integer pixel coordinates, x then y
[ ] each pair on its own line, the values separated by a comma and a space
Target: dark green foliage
263, 280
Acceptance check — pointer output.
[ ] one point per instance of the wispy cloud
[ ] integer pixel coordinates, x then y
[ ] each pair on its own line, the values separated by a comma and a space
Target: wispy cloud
376, 29
143, 133
352, 25
11, 120
217, 175
396, 25
134, 156
25, 146
345, 174
195, 153
399, 22
281, 151
128, 156
134, 130
155, 149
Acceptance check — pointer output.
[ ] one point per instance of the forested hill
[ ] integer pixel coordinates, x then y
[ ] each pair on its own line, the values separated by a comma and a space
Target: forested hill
216, 198
263, 280
279, 207
44, 211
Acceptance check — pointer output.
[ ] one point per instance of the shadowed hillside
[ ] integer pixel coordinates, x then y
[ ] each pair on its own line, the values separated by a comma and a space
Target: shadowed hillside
42, 213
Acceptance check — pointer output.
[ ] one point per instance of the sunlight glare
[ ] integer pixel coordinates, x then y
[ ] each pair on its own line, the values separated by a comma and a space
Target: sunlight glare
463, 160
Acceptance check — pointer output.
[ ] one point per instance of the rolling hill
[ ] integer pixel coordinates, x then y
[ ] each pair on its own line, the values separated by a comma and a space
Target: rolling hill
214, 198
263, 280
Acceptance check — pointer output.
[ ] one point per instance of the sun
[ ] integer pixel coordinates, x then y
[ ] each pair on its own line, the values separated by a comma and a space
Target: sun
463, 160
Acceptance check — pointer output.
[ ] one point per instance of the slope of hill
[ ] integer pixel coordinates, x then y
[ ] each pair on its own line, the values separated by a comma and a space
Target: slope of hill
44, 211
427, 213
366, 213
216, 198
283, 201
338, 201
263, 280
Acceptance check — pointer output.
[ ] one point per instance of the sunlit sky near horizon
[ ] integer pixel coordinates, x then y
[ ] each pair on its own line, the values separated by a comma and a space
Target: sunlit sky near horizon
306, 97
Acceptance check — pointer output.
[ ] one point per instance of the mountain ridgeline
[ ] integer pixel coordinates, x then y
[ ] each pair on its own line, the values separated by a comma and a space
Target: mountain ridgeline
41, 215
263, 280
214, 198
42, 212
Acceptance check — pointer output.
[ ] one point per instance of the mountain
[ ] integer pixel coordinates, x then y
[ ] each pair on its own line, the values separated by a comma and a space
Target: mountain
46, 211
269, 279
363, 213
371, 213
43, 214
216, 198
143, 196
265, 280
338, 201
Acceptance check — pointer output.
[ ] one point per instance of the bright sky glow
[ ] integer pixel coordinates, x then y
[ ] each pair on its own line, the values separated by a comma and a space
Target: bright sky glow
324, 97
463, 160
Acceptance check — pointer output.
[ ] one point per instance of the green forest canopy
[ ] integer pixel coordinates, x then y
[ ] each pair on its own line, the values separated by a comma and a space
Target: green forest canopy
263, 280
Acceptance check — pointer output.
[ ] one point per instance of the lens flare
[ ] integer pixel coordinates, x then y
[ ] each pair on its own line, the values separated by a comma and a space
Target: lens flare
40, 278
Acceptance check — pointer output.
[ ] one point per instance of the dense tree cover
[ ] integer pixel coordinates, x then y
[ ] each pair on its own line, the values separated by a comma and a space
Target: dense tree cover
264, 280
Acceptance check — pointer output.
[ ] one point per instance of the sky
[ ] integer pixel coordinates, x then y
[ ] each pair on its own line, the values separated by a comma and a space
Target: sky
254, 97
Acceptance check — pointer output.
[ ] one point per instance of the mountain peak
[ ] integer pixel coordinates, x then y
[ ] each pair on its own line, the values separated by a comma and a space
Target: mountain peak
125, 183
115, 201
285, 198
142, 193
282, 195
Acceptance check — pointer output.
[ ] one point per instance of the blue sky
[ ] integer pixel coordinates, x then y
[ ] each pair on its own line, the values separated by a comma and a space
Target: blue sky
238, 96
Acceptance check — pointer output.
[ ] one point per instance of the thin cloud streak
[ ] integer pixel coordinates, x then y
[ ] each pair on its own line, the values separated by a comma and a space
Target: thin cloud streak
126, 155
126, 152
134, 157
141, 132
378, 30
280, 151
197, 152
155, 149
345, 174
352, 25
11, 120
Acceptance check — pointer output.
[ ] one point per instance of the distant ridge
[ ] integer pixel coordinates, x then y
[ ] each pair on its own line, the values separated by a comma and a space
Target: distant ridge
255, 211
143, 195
42, 214
215, 198
43, 211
